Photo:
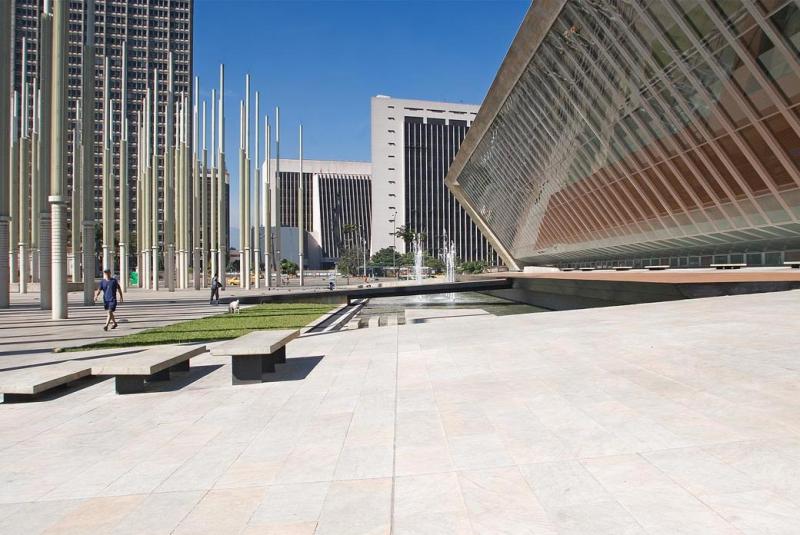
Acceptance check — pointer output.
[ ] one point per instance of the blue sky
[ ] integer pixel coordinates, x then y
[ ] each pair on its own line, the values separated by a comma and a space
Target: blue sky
322, 61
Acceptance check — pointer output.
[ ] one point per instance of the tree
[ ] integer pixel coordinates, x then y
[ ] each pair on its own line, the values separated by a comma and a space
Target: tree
408, 234
472, 266
288, 267
434, 263
350, 261
386, 257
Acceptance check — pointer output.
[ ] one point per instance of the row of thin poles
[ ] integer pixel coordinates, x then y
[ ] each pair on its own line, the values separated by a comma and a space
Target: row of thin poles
32, 164
255, 217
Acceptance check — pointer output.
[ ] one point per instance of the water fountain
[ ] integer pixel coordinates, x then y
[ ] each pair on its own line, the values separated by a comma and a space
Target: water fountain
450, 266
417, 259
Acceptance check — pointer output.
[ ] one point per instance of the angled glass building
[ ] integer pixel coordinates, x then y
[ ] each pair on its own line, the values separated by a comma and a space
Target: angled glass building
636, 132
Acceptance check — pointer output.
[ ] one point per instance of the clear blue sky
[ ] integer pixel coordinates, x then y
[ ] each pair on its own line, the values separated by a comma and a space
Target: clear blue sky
322, 61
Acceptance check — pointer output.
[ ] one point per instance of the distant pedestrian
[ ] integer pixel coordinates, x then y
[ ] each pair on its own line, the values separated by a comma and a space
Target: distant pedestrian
109, 287
214, 289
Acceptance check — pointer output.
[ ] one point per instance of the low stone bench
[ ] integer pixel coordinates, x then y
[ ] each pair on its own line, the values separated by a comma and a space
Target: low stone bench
255, 354
623, 268
657, 267
793, 264
587, 269
727, 266
131, 371
25, 384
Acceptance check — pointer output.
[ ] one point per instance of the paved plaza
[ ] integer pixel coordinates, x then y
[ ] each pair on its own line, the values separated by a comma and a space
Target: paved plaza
678, 417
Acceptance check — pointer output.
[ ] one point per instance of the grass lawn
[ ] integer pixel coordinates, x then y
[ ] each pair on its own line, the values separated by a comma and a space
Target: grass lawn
221, 326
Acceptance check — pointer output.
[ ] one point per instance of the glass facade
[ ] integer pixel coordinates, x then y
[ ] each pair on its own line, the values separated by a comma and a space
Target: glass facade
647, 130
431, 210
290, 189
346, 212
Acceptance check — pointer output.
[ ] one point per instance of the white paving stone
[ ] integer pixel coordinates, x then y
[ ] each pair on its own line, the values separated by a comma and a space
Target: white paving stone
679, 417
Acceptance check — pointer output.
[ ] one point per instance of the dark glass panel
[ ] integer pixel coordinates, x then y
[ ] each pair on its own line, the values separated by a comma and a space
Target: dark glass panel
691, 180
787, 20
772, 63
786, 136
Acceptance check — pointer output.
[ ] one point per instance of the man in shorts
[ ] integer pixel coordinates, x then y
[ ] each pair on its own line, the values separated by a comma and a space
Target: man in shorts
109, 287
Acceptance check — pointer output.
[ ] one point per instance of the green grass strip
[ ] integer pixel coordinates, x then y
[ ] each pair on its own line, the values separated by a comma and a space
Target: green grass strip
223, 326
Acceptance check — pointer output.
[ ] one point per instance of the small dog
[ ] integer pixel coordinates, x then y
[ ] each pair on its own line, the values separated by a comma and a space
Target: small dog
233, 307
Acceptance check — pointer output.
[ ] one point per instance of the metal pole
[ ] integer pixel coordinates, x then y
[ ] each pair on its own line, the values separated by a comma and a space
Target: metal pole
257, 232
242, 187
222, 180
197, 207
5, 174
246, 207
277, 241
108, 203
87, 156
268, 207
124, 208
23, 178
169, 178
13, 189
154, 187
300, 214
57, 198
213, 189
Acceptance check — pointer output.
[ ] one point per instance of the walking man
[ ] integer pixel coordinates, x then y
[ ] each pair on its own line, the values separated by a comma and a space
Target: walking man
109, 287
214, 289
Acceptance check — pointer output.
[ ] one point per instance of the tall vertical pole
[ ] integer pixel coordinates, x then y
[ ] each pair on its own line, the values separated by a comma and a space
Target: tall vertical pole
154, 187
222, 213
212, 224
87, 156
41, 210
197, 207
24, 178
13, 188
108, 164
268, 206
5, 142
204, 176
246, 206
35, 186
300, 215
242, 186
140, 165
169, 180
257, 232
124, 187
277, 178
75, 203
57, 199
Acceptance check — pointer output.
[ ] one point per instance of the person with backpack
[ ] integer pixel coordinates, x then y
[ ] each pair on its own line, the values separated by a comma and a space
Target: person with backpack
214, 289
109, 287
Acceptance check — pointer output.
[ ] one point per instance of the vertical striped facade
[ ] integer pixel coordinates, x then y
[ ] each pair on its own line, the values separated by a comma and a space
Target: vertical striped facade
289, 188
430, 209
641, 132
345, 204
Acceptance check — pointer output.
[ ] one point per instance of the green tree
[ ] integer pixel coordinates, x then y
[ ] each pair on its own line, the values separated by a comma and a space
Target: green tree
434, 263
288, 267
472, 266
408, 234
386, 257
350, 261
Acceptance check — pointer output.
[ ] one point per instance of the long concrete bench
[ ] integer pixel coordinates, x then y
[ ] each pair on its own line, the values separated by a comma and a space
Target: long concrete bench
727, 266
131, 371
657, 267
255, 353
794, 264
623, 268
23, 385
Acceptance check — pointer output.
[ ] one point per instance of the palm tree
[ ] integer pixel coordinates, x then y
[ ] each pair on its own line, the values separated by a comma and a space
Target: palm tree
408, 234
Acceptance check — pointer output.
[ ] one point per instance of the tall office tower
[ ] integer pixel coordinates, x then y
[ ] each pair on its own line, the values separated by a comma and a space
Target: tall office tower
336, 209
637, 133
413, 144
150, 29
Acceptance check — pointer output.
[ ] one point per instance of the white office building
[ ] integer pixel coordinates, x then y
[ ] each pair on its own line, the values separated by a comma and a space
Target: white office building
413, 145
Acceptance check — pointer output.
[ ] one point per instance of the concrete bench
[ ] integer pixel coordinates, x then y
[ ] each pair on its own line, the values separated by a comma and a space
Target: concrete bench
131, 371
657, 268
23, 385
567, 269
623, 268
587, 269
727, 266
255, 353
795, 264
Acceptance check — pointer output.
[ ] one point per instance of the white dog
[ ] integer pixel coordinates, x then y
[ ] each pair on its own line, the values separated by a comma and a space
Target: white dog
233, 307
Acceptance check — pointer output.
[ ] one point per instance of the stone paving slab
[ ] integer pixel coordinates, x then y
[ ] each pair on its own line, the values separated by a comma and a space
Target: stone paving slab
679, 417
